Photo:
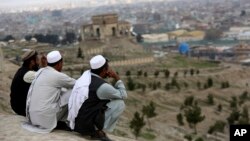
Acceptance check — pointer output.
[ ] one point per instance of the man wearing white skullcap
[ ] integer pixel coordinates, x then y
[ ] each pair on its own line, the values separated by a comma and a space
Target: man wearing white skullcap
94, 104
47, 100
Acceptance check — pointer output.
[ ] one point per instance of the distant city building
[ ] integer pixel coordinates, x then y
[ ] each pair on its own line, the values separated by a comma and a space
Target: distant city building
184, 36
153, 38
244, 36
239, 33
105, 26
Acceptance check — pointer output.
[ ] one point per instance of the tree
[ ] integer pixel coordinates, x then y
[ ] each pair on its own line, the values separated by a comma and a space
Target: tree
217, 127
219, 108
225, 85
193, 116
210, 82
199, 85
128, 73
189, 101
233, 117
197, 72
213, 34
79, 53
137, 124
176, 74
244, 117
185, 84
139, 73
149, 111
8, 37
154, 85
156, 73
191, 72
130, 84
40, 37
167, 73
210, 99
28, 37
168, 86
145, 74
143, 87
243, 97
175, 83
51, 38
70, 37
199, 139
188, 137
233, 102
243, 13
179, 118
185, 73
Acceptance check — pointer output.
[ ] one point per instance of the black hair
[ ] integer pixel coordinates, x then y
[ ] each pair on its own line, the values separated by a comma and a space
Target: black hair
26, 63
54, 64
99, 70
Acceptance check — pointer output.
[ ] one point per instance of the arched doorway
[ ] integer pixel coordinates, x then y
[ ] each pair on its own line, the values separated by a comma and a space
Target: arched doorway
98, 32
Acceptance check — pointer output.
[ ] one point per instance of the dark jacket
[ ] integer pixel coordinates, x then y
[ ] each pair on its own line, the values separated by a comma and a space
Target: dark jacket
19, 90
92, 111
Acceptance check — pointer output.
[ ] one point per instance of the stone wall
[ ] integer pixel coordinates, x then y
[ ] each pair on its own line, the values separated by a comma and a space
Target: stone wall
105, 19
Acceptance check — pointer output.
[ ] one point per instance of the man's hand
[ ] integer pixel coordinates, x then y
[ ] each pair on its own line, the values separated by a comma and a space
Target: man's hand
113, 74
43, 61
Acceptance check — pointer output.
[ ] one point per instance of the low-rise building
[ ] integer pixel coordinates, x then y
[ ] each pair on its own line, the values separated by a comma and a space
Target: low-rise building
184, 35
244, 36
152, 38
191, 36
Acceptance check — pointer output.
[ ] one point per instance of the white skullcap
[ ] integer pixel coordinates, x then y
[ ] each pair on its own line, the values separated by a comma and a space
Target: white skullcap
97, 61
54, 56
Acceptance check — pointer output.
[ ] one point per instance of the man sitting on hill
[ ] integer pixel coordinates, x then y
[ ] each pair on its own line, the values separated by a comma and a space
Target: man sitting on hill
47, 102
94, 104
21, 82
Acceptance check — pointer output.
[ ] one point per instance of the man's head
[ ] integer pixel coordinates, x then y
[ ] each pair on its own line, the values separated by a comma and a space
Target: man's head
30, 60
99, 65
55, 60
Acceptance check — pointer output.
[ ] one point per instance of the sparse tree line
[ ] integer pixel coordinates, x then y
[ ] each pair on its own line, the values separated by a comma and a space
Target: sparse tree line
69, 37
172, 82
166, 73
191, 111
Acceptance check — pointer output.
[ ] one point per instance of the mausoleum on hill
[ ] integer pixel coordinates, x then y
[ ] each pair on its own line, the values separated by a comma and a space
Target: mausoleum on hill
105, 26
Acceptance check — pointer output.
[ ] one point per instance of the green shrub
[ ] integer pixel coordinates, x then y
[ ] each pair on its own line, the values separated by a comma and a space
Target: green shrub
210, 99
217, 127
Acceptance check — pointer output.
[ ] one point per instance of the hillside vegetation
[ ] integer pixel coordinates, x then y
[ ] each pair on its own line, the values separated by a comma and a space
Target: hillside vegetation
176, 85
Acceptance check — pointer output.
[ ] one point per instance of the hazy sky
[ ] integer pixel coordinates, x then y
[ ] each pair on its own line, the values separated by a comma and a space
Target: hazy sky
18, 3
13, 5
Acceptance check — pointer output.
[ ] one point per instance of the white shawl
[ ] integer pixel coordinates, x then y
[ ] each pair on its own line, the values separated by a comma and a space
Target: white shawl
78, 96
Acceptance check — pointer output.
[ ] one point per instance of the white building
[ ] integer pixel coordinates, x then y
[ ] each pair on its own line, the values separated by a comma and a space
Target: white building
240, 33
244, 36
